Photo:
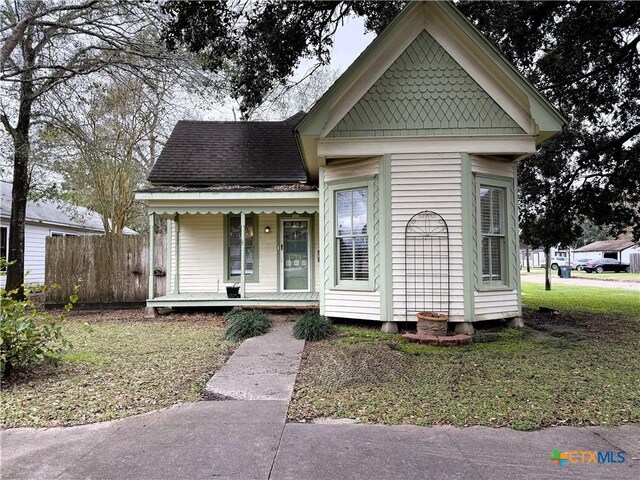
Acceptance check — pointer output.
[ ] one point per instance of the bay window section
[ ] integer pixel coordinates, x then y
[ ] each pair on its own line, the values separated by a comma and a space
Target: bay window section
352, 237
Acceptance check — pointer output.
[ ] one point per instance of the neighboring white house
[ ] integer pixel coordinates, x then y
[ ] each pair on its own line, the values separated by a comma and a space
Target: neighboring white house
617, 249
537, 258
396, 193
44, 219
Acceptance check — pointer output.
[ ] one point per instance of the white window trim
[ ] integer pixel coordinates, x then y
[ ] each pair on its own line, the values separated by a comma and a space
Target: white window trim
507, 185
351, 184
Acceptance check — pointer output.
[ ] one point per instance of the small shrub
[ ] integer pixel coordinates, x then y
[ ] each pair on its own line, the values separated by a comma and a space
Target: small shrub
29, 336
312, 327
243, 324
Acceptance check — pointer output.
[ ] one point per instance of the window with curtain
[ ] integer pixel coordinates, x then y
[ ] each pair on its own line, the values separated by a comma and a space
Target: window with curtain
234, 254
352, 239
492, 230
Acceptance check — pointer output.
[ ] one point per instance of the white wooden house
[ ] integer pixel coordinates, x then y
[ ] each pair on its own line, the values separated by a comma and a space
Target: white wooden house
328, 208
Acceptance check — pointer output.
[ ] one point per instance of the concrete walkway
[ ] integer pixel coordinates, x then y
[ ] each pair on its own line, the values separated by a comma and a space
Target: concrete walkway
262, 368
250, 439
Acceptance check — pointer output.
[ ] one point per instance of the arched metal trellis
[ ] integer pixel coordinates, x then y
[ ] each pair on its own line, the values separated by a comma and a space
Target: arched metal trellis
426, 265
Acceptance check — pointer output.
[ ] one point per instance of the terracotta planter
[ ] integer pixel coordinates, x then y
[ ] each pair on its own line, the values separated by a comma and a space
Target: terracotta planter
432, 323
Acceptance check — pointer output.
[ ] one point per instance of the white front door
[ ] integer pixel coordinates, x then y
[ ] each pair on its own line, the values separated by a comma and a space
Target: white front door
295, 257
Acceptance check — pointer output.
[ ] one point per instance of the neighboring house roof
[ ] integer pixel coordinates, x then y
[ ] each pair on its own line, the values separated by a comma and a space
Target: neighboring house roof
607, 246
55, 213
205, 153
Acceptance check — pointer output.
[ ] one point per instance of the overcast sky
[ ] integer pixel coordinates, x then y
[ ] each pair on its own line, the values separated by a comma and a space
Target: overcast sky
349, 41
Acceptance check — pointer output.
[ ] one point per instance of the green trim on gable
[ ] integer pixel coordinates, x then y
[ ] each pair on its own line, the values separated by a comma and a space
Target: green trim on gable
425, 92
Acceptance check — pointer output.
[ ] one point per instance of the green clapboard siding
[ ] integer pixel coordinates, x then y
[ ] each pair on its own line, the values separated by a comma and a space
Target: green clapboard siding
425, 92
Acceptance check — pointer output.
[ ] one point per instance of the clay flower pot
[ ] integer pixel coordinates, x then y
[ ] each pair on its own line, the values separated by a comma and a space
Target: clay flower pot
432, 323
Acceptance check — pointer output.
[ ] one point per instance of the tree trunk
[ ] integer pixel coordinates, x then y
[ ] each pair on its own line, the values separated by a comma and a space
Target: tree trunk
526, 253
21, 145
20, 192
547, 268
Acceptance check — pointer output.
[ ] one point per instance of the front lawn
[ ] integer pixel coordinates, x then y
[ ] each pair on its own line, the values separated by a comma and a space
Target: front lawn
619, 276
125, 366
569, 298
575, 368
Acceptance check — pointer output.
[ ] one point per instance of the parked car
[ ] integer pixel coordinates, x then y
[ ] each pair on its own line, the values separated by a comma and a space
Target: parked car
606, 265
579, 263
560, 259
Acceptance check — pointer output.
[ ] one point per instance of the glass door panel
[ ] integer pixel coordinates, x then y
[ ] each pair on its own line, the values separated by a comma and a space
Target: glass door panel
295, 255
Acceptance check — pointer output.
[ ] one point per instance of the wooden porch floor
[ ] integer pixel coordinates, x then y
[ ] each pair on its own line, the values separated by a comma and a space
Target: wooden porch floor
273, 299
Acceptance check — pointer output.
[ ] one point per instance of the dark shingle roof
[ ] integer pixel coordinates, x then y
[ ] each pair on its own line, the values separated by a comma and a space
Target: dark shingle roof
205, 153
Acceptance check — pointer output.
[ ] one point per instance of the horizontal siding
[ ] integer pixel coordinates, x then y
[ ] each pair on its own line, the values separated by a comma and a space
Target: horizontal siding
487, 166
495, 304
352, 304
427, 182
348, 169
343, 303
201, 255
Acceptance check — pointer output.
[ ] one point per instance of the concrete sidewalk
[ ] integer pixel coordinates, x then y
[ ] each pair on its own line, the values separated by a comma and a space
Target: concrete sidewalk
249, 440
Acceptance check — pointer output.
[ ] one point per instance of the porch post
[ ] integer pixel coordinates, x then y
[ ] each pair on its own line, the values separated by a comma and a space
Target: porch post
242, 252
151, 248
176, 274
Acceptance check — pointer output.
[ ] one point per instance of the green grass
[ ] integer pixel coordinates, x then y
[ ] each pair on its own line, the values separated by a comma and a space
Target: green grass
125, 366
623, 277
581, 367
569, 298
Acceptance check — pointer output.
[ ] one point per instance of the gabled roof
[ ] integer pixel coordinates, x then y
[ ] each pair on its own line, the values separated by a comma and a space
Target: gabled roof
206, 153
607, 246
456, 34
54, 213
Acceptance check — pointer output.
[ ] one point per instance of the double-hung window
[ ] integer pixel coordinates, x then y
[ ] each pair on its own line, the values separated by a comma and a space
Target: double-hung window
351, 236
234, 248
492, 231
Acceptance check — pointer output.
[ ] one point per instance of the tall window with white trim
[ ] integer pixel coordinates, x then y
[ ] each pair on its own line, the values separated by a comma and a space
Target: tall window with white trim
492, 230
352, 239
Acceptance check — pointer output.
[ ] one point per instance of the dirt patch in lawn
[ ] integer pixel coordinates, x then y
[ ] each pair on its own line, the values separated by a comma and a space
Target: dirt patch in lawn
567, 369
121, 365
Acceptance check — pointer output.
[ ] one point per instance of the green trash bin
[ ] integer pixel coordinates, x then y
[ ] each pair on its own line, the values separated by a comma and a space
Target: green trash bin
564, 271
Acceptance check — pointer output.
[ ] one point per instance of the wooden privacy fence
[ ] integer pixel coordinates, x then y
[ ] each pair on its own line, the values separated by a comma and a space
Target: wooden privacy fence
109, 269
634, 263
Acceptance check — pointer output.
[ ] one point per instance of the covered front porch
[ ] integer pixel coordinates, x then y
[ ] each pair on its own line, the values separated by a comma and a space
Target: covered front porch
263, 242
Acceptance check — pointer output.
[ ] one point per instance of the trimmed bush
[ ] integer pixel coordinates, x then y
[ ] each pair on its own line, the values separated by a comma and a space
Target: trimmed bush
243, 324
312, 327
